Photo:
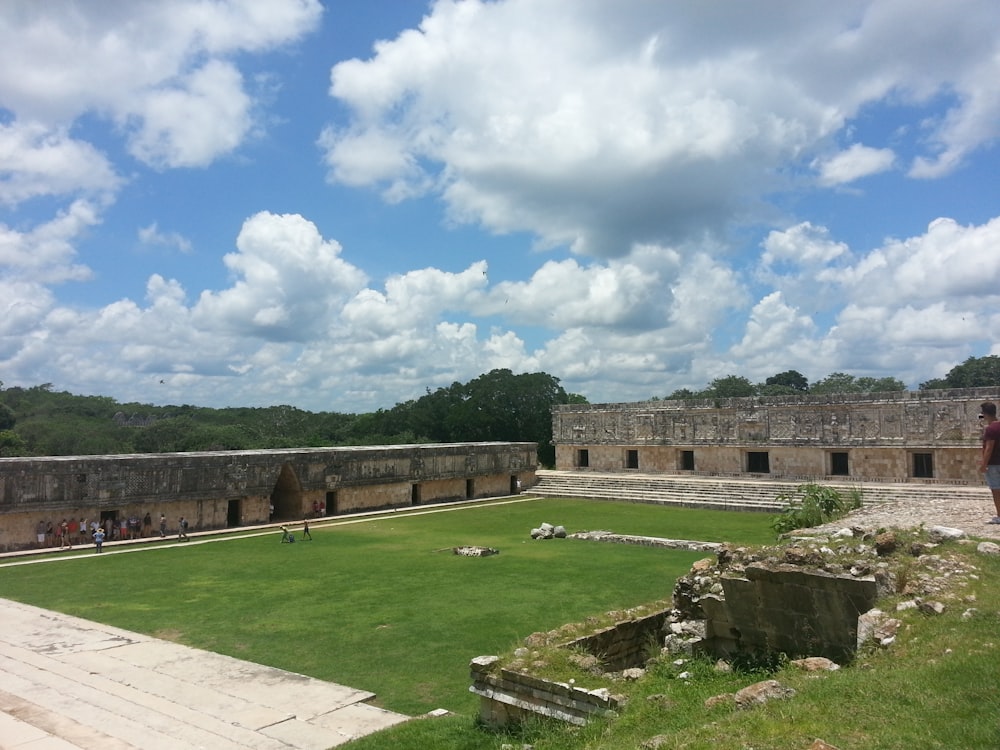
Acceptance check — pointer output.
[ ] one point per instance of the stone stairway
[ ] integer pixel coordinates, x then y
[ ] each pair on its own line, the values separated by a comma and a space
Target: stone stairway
725, 493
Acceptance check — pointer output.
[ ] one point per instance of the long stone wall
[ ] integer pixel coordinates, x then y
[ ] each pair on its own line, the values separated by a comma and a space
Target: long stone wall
216, 489
923, 435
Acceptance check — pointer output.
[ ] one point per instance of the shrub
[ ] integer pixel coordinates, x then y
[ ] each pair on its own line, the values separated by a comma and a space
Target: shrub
811, 505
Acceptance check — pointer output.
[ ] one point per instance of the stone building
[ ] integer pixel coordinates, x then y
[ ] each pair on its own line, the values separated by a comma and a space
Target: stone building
918, 436
219, 489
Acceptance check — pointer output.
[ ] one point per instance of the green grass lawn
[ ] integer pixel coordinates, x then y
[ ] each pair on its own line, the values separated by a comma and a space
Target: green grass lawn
382, 604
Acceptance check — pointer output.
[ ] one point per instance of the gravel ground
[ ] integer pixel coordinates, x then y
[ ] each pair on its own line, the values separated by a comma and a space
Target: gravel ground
959, 512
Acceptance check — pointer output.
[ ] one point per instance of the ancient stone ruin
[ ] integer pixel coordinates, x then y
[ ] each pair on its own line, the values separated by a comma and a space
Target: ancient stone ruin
812, 599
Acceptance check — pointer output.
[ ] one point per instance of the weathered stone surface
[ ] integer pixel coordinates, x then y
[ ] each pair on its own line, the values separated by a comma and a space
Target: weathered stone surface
647, 541
716, 700
219, 489
816, 664
796, 432
885, 543
474, 551
944, 533
988, 548
791, 609
931, 607
762, 692
875, 626
655, 743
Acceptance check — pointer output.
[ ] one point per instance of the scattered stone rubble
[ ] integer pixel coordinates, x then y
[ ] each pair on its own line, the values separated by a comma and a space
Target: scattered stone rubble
548, 531
647, 541
912, 563
474, 551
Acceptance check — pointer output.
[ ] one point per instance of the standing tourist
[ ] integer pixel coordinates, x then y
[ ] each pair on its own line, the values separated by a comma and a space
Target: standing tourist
163, 526
99, 539
182, 529
40, 533
990, 464
147, 526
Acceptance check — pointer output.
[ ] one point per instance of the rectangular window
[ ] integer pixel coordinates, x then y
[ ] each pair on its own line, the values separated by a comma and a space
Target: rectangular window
583, 458
631, 459
838, 464
758, 462
923, 465
687, 460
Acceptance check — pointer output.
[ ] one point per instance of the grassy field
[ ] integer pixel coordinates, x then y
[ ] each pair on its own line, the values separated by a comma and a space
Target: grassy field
382, 604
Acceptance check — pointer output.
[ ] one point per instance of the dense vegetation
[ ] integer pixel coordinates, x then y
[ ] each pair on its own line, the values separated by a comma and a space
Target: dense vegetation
975, 372
498, 405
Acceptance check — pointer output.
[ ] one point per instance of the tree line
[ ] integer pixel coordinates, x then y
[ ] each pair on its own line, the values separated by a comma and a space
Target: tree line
498, 405
975, 372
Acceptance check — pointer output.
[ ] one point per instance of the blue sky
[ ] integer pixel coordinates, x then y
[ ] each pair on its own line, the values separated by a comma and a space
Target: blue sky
340, 205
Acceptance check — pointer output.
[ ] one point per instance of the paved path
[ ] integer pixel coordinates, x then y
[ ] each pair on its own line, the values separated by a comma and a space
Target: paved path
72, 684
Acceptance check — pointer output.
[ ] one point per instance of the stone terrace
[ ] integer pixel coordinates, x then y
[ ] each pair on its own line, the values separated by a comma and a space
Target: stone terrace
725, 493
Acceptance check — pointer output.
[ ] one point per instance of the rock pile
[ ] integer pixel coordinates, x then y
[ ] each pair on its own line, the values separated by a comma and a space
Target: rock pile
548, 531
473, 551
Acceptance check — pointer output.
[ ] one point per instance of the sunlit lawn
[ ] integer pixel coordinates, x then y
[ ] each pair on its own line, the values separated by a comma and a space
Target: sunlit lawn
383, 605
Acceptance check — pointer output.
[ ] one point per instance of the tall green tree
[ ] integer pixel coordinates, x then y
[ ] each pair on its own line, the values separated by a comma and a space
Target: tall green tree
975, 372
731, 386
790, 379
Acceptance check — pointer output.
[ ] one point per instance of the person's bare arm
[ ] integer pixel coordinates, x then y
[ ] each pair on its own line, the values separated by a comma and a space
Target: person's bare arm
987, 452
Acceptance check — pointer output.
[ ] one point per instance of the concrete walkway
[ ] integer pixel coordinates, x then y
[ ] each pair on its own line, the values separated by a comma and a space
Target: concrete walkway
68, 683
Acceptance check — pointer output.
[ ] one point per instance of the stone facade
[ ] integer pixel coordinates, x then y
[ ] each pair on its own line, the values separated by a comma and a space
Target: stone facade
907, 436
219, 489
789, 609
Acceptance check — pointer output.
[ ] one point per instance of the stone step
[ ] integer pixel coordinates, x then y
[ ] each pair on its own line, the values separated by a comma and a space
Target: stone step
102, 688
749, 494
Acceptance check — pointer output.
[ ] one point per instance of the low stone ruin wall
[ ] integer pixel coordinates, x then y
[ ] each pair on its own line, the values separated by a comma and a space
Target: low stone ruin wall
721, 607
509, 696
785, 608
625, 644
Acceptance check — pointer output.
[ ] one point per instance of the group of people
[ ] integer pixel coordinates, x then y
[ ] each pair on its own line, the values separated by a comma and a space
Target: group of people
68, 532
287, 536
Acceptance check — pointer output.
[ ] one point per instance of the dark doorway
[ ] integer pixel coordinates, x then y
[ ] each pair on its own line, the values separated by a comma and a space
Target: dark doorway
515, 485
233, 515
758, 462
687, 460
923, 465
331, 503
287, 496
583, 458
838, 464
631, 459
414, 494
470, 489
